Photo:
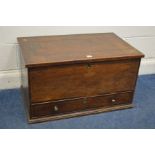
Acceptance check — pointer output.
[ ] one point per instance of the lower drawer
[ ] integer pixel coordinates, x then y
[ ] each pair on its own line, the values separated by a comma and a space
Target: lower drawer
70, 106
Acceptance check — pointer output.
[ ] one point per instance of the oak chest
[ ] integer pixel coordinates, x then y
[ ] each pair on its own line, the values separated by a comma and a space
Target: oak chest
74, 75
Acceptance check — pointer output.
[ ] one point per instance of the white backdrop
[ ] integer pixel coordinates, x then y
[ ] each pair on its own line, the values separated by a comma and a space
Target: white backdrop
143, 38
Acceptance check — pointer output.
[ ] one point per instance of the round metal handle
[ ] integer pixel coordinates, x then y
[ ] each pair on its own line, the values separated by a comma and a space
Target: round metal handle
56, 108
113, 101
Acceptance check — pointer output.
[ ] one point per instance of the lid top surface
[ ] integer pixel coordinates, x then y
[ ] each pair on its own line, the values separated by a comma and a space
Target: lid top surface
44, 50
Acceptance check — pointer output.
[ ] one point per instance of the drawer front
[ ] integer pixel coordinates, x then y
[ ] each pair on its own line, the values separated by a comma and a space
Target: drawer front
110, 100
70, 106
80, 80
55, 108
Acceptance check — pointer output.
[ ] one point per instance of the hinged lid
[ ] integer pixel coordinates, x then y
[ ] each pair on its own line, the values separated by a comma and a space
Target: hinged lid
48, 50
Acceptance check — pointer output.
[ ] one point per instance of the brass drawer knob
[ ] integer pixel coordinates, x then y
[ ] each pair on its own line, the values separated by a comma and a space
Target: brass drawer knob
113, 101
56, 108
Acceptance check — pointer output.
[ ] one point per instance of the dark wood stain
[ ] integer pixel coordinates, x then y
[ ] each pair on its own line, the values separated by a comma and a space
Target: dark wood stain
70, 106
75, 75
43, 51
73, 81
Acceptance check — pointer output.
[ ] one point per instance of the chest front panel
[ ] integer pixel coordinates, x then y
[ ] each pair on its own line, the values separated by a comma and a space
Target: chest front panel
79, 80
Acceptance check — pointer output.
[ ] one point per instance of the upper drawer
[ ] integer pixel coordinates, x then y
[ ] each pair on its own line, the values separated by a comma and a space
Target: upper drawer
79, 80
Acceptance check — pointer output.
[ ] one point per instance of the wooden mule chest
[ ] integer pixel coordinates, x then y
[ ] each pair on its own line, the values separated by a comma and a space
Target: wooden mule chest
74, 75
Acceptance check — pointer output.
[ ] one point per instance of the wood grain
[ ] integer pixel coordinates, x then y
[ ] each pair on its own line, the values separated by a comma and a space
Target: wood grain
75, 75
75, 105
48, 50
80, 113
74, 81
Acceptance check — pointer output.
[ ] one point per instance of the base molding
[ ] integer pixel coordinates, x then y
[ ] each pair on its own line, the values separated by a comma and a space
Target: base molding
81, 113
